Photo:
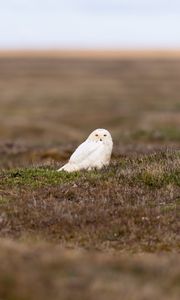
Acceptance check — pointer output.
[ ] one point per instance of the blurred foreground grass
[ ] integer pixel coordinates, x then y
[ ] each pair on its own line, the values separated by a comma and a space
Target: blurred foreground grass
49, 272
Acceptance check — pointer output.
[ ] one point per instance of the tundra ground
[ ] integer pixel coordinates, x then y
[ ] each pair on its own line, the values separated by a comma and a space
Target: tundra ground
105, 234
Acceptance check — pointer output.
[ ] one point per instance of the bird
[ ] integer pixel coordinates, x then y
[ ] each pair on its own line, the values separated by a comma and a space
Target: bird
93, 153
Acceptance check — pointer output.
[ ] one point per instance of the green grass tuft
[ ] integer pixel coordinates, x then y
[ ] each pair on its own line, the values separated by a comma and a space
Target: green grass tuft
36, 177
158, 180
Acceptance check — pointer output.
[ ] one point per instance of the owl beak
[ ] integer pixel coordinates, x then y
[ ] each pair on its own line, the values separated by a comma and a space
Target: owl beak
100, 140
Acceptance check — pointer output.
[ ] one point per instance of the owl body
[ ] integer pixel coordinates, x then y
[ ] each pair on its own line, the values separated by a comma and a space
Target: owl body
94, 152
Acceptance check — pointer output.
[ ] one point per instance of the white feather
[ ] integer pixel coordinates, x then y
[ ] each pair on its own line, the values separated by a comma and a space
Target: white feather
86, 149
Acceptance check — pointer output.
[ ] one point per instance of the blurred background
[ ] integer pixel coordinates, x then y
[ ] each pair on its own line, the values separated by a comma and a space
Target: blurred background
68, 67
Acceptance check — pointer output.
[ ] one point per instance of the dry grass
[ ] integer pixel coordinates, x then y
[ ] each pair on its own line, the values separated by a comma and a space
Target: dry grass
130, 206
106, 234
49, 272
58, 100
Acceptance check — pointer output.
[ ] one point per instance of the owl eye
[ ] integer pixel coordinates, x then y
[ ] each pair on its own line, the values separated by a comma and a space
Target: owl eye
105, 134
96, 134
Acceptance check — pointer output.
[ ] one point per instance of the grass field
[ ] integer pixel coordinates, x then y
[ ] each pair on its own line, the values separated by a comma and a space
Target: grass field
109, 234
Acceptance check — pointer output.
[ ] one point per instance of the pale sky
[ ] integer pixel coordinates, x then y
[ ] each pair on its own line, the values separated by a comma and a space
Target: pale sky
89, 24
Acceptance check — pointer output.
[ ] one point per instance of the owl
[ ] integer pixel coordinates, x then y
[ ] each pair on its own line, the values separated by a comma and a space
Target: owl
93, 153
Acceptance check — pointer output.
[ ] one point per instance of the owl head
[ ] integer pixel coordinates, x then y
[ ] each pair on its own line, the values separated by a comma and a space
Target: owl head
100, 135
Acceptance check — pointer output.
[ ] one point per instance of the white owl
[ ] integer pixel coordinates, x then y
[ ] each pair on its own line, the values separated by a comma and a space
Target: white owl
94, 152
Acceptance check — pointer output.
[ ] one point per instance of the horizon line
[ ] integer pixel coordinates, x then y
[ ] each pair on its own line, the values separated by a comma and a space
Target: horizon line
90, 52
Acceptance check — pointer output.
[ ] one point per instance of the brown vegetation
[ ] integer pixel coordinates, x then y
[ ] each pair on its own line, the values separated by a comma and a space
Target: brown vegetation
106, 234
